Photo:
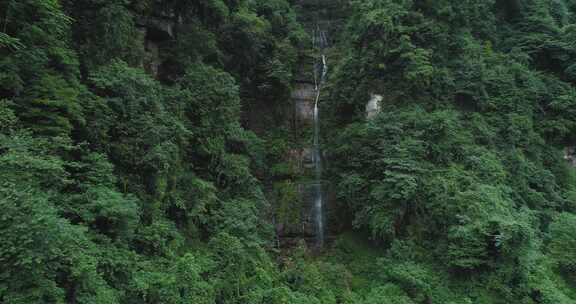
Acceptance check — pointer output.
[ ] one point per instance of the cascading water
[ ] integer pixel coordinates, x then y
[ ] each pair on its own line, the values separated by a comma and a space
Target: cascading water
320, 41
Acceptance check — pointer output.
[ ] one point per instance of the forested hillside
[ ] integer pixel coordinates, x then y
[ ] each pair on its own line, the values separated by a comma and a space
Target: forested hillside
153, 151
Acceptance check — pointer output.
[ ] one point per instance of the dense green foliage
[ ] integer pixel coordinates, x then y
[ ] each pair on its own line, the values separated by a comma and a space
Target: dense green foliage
463, 169
117, 187
128, 173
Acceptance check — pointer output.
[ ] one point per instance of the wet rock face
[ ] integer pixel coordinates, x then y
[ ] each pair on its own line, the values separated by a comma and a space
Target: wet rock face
302, 159
160, 28
152, 62
294, 213
296, 219
307, 212
304, 95
301, 223
157, 28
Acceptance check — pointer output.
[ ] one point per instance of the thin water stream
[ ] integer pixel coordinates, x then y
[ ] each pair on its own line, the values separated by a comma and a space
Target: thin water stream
319, 41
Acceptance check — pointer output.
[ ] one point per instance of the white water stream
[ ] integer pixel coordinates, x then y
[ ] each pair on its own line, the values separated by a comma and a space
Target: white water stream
319, 41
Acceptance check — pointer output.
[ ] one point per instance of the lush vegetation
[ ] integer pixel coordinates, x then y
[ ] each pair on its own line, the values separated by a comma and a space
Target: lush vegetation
131, 172
462, 177
117, 187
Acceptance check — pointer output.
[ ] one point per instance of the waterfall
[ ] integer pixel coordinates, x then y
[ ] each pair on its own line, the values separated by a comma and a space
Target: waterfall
319, 40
